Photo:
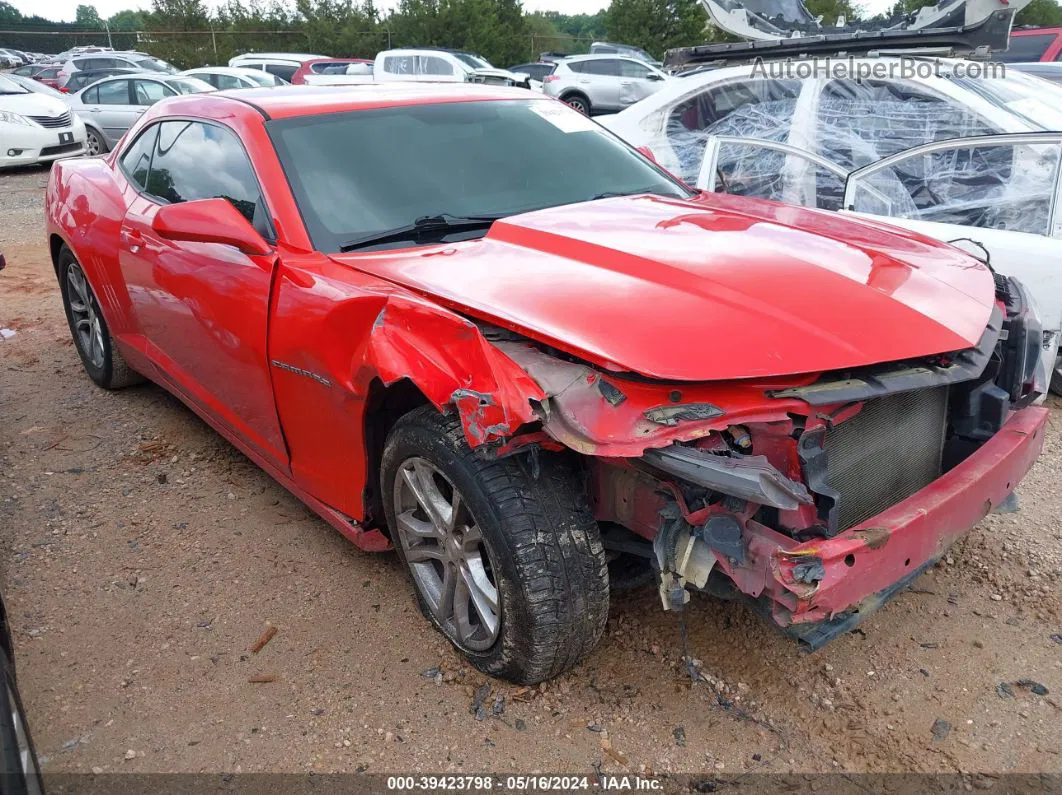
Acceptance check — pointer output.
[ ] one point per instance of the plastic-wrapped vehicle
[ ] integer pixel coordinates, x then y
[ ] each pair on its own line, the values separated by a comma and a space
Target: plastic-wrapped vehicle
951, 156
467, 322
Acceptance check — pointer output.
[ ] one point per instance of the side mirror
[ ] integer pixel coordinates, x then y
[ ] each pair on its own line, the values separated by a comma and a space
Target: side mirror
209, 221
645, 150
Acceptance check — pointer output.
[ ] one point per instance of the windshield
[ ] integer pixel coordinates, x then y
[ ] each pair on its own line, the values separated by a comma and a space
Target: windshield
9, 86
473, 60
153, 65
32, 85
189, 85
1035, 101
262, 78
365, 172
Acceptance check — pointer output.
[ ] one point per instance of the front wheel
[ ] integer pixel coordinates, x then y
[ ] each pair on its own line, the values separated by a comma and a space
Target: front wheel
508, 566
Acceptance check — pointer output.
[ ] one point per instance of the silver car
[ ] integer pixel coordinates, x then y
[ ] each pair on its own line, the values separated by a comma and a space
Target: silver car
140, 61
603, 83
111, 106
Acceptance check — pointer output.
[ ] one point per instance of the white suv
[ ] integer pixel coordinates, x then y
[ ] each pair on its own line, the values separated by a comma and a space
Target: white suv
603, 83
280, 64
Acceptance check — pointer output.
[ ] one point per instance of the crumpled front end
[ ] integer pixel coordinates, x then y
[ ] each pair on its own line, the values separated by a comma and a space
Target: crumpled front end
817, 497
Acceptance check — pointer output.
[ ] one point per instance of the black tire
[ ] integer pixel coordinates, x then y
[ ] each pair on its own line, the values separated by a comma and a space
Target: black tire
580, 102
104, 364
545, 553
1056, 382
95, 143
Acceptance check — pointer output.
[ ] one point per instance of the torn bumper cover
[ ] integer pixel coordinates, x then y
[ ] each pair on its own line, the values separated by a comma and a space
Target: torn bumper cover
821, 588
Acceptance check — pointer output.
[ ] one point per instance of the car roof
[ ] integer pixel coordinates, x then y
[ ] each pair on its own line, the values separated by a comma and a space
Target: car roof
603, 56
225, 70
287, 102
288, 56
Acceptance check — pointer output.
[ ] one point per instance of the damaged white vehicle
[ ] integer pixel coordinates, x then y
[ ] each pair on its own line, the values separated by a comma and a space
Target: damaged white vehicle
927, 145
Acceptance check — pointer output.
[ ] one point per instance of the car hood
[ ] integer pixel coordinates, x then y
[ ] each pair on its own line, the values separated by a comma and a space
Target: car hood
717, 288
33, 104
516, 77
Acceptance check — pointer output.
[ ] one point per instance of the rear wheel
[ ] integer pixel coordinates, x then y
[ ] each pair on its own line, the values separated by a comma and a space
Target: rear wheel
95, 143
579, 102
509, 567
99, 355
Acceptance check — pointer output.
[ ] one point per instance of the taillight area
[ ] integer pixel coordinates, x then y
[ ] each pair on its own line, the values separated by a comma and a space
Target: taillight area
550, 79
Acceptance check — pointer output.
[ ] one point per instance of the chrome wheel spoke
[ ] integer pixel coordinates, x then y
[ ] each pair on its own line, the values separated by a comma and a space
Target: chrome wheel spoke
420, 478
415, 528
444, 610
484, 596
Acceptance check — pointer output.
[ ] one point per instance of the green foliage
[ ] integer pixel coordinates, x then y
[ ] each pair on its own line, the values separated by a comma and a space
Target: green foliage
1040, 14
88, 17
657, 25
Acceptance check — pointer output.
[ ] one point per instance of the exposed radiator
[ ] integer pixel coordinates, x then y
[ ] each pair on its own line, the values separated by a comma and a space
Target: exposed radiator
886, 453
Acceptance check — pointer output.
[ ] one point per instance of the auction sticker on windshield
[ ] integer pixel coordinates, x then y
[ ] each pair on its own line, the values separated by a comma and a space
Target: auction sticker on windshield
562, 117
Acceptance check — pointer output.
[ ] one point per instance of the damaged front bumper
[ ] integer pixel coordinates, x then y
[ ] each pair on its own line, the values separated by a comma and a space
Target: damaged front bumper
822, 588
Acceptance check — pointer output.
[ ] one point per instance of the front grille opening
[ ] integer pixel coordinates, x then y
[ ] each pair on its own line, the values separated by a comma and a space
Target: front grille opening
884, 454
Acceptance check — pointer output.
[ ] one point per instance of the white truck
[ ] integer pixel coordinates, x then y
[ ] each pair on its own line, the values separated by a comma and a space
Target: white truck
426, 65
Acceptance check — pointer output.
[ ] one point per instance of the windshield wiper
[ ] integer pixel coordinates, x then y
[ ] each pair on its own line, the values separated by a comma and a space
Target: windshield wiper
429, 228
655, 191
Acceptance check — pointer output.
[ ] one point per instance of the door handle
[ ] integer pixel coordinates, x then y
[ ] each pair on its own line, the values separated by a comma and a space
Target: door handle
133, 239
94, 110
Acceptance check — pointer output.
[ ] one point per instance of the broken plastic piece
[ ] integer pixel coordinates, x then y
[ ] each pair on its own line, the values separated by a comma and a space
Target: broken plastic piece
750, 477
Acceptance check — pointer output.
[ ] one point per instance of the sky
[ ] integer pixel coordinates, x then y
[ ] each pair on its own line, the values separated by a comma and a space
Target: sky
64, 9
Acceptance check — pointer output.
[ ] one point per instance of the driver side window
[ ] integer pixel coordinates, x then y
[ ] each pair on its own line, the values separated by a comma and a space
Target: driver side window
195, 160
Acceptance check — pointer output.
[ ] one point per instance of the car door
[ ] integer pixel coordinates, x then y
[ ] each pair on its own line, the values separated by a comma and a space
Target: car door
637, 81
1008, 182
605, 75
111, 108
203, 307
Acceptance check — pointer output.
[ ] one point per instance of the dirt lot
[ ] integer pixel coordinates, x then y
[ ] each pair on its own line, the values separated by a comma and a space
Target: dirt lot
143, 556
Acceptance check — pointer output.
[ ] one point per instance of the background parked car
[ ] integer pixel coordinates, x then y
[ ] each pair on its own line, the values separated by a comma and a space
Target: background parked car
282, 64
227, 77
9, 60
603, 83
110, 106
49, 75
536, 71
1032, 44
311, 72
83, 79
29, 70
141, 62
35, 128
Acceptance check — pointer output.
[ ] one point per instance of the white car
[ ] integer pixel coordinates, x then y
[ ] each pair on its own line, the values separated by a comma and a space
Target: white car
603, 83
282, 64
229, 77
441, 66
954, 157
36, 128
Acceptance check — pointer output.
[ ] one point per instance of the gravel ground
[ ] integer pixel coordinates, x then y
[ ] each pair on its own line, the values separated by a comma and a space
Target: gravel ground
143, 556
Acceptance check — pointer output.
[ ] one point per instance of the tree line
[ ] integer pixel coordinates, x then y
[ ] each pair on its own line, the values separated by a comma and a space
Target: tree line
189, 33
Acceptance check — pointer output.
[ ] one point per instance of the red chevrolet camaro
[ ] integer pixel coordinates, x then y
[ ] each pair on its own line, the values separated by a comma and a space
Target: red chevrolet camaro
469, 323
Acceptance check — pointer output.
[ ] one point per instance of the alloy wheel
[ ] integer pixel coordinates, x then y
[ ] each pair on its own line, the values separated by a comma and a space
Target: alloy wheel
579, 104
446, 554
86, 315
93, 146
